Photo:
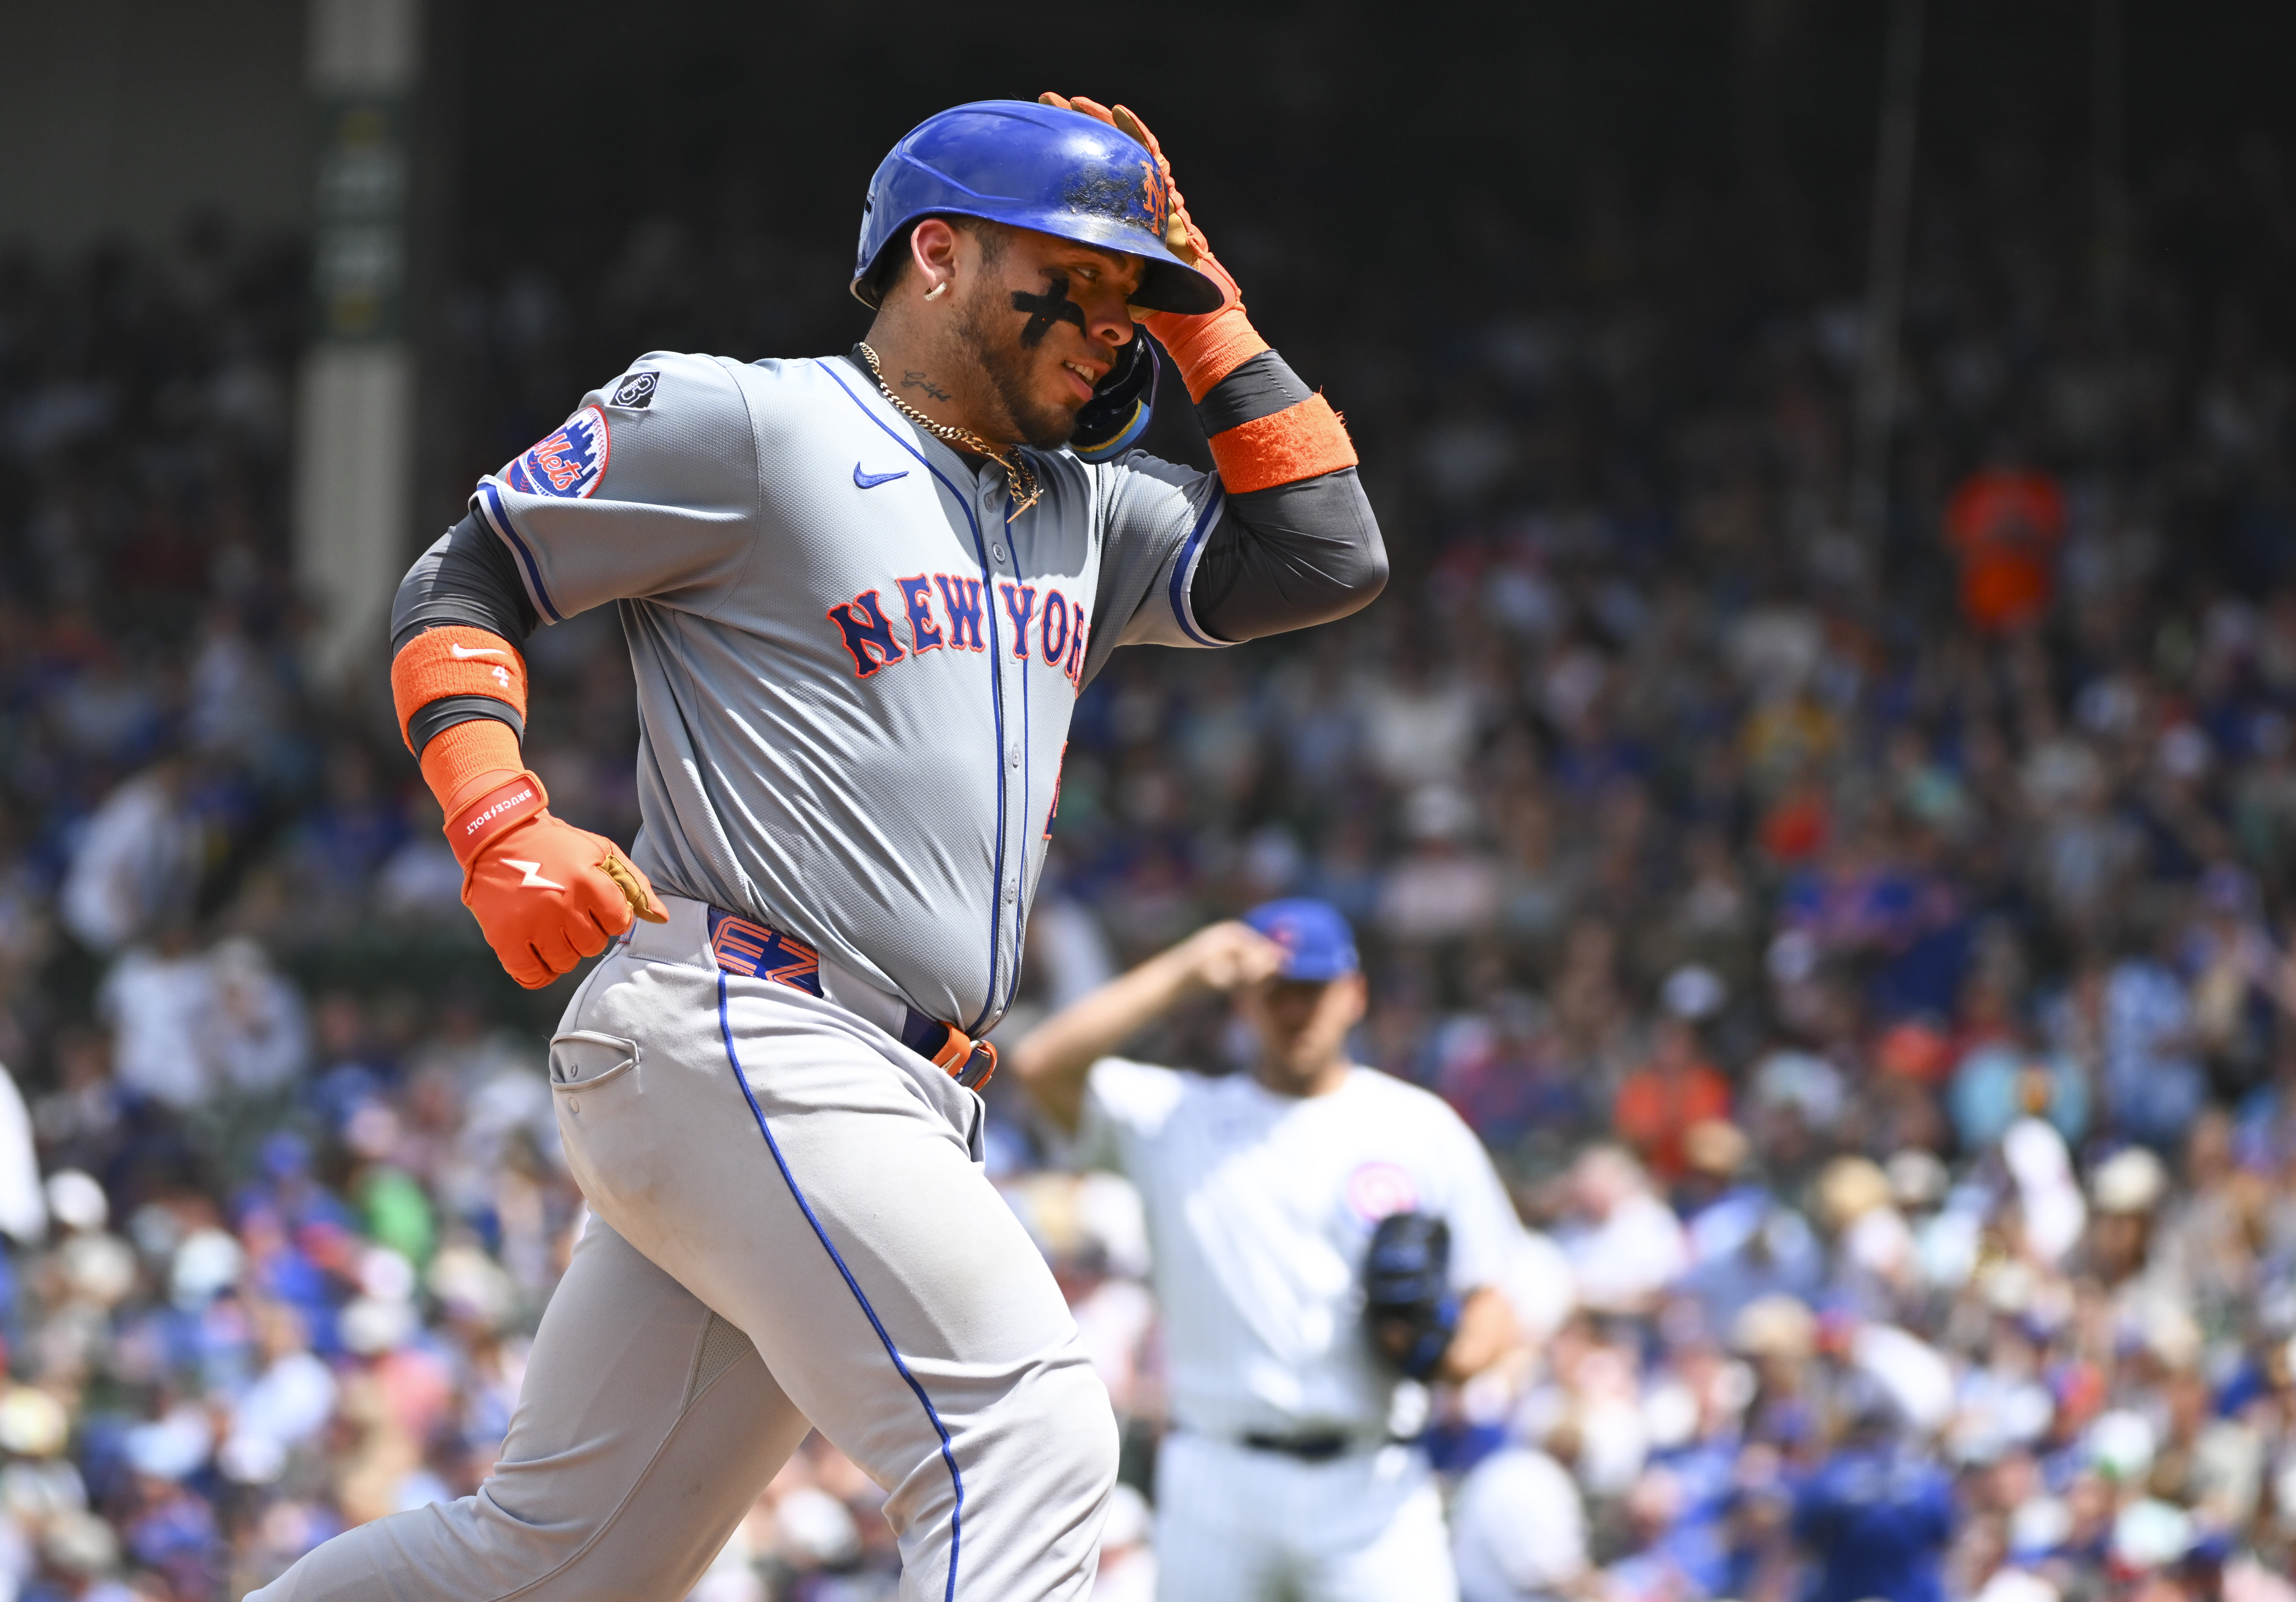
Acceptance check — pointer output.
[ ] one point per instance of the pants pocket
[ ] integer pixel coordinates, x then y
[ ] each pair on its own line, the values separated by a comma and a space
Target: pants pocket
582, 1059
606, 1137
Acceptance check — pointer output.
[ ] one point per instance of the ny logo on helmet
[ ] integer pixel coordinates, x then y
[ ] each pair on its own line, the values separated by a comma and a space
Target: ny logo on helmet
1159, 202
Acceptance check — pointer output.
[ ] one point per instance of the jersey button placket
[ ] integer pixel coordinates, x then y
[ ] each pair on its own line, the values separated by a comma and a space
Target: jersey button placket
1012, 679
995, 493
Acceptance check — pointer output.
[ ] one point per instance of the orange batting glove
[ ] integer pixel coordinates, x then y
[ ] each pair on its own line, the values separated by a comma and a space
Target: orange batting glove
547, 894
1301, 441
1208, 346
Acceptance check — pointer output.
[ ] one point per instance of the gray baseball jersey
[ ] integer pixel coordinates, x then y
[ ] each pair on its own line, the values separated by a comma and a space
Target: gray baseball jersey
854, 676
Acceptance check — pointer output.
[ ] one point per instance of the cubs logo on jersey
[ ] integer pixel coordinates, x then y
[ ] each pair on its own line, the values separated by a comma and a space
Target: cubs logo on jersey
1375, 1190
566, 464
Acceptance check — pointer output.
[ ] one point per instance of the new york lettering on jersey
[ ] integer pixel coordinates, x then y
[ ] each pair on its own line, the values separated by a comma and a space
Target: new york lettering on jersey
826, 609
874, 640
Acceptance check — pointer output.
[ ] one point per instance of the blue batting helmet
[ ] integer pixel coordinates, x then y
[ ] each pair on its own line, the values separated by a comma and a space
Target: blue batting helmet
1037, 167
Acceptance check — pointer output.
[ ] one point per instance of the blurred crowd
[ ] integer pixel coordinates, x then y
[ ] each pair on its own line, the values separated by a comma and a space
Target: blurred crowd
1865, 950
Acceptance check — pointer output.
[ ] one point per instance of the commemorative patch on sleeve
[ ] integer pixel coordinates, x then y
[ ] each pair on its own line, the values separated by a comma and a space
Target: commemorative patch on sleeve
634, 391
569, 463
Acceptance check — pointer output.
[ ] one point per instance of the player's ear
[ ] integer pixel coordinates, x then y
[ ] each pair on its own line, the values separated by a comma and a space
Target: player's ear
932, 251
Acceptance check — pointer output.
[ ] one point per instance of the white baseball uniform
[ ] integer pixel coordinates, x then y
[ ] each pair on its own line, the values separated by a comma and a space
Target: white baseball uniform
1260, 1209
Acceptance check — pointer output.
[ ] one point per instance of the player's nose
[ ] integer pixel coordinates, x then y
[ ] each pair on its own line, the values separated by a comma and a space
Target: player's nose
1107, 320
1107, 315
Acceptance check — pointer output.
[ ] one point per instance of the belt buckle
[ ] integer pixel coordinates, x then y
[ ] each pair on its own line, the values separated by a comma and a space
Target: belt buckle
980, 1066
968, 1061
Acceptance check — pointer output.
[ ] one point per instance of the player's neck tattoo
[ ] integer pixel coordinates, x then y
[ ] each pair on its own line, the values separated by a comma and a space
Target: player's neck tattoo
911, 379
1017, 472
1045, 310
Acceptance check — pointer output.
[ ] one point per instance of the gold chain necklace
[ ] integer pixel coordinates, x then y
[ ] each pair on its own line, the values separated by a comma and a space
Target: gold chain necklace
1017, 474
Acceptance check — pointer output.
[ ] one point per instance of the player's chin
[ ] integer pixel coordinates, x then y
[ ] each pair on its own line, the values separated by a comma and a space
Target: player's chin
1290, 1056
1050, 424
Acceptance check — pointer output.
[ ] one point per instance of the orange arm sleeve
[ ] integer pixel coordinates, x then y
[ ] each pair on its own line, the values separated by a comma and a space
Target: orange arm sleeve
470, 758
466, 761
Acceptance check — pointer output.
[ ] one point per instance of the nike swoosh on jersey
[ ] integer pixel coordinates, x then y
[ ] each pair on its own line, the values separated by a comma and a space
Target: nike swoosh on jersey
533, 871
460, 655
862, 480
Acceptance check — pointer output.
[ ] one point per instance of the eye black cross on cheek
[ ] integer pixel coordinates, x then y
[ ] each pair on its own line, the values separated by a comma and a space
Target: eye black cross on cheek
1045, 310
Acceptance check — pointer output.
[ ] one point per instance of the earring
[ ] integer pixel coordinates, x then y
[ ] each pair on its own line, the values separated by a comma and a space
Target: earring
934, 293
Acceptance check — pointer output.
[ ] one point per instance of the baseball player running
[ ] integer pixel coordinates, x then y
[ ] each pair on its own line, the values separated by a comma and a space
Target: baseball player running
861, 594
1320, 1233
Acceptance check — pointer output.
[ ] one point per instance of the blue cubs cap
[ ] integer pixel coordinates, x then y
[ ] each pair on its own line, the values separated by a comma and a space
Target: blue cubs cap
1056, 171
1317, 944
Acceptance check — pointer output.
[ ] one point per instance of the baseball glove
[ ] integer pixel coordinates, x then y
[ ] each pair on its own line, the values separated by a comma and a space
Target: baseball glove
1407, 1299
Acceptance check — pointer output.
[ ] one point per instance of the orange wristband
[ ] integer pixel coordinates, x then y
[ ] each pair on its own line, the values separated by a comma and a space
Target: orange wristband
1304, 441
455, 659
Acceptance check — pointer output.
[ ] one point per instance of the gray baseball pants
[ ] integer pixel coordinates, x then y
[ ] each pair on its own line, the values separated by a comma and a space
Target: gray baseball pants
789, 1229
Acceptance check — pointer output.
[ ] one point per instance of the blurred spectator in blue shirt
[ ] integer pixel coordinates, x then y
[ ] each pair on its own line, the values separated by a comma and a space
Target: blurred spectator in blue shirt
1877, 1514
